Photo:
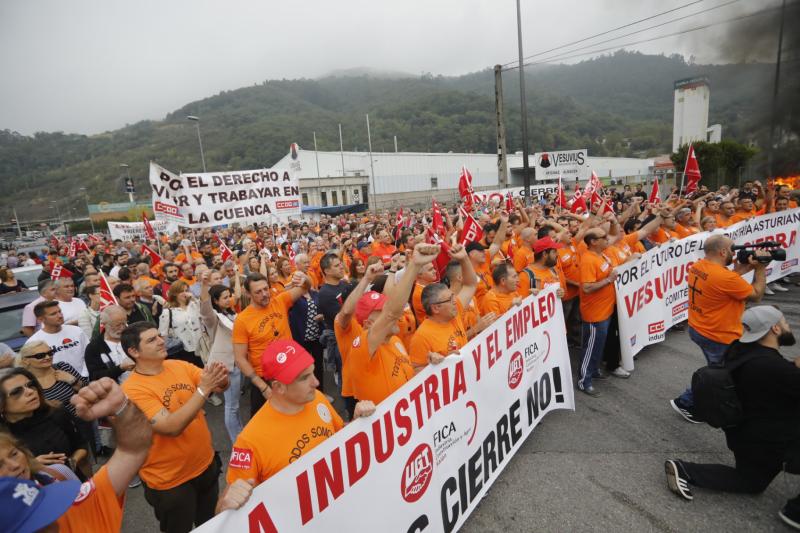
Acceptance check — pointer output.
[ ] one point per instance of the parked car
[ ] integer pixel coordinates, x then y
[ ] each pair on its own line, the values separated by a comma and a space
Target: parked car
28, 275
11, 306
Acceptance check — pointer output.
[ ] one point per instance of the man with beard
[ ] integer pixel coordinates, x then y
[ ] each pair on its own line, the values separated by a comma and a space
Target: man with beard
716, 302
171, 273
768, 387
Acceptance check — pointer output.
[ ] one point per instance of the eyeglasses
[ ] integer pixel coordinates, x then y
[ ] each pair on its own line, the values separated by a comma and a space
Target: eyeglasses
40, 355
16, 392
451, 299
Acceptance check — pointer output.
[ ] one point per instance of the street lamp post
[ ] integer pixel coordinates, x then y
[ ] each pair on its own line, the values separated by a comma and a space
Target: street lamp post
54, 204
88, 213
128, 181
196, 121
526, 176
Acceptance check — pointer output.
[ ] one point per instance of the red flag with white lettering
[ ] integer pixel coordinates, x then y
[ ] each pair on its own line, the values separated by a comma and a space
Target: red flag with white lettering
149, 232
592, 189
106, 294
73, 249
82, 246
472, 231
149, 252
691, 171
465, 187
509, 202
226, 252
655, 196
438, 221
59, 271
398, 225
578, 201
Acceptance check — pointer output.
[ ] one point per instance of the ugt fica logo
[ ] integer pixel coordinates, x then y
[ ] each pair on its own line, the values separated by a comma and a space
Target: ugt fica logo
417, 473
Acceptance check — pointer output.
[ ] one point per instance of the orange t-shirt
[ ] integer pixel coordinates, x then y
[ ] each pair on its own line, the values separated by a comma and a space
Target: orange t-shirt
599, 305
441, 338
716, 301
723, 222
742, 215
416, 302
569, 263
661, 235
485, 281
384, 251
542, 277
523, 256
257, 327
375, 378
181, 257
172, 460
471, 314
684, 231
407, 325
344, 340
494, 302
272, 440
96, 507
150, 281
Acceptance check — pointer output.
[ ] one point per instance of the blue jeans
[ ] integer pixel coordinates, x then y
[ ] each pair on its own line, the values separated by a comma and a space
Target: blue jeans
233, 423
714, 353
594, 342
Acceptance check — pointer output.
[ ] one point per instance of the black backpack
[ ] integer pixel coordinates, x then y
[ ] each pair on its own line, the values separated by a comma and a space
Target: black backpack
715, 399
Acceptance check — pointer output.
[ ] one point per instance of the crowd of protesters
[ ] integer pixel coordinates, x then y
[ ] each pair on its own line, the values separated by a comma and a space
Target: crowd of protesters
295, 316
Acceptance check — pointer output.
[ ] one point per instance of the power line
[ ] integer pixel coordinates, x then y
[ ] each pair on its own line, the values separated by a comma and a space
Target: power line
644, 29
606, 32
673, 34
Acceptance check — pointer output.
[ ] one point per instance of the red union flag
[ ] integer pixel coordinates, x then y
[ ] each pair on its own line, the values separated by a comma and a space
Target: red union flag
472, 231
578, 201
655, 197
60, 272
691, 171
149, 252
149, 232
509, 202
106, 294
73, 248
465, 187
398, 225
438, 221
592, 189
226, 252
561, 198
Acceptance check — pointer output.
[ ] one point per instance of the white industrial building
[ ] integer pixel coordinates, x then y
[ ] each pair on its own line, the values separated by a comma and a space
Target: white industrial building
408, 178
690, 118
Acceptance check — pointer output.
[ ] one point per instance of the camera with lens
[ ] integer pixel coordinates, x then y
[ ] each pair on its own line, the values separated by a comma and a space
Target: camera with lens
745, 251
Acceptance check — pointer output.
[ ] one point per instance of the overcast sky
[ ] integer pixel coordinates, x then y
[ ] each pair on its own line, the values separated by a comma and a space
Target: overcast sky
89, 66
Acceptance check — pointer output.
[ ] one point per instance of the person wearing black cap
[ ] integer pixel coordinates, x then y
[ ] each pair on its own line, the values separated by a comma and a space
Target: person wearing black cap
768, 438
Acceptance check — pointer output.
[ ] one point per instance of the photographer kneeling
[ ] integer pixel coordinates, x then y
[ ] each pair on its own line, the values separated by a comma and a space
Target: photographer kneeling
768, 436
717, 297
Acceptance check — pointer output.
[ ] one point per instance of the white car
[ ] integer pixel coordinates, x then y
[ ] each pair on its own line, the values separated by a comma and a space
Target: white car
28, 275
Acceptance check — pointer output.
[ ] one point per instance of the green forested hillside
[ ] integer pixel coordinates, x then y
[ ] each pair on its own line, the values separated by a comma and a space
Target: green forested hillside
614, 105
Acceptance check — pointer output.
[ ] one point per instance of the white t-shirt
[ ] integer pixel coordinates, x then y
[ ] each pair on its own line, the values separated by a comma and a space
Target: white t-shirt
72, 310
69, 345
117, 355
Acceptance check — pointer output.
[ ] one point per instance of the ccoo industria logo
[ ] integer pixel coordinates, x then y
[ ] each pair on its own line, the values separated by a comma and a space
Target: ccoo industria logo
417, 473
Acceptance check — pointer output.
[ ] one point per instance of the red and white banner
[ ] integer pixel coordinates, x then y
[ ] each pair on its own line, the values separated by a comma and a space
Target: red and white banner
653, 294
149, 232
655, 196
225, 252
465, 188
60, 272
432, 449
472, 231
211, 199
152, 254
106, 294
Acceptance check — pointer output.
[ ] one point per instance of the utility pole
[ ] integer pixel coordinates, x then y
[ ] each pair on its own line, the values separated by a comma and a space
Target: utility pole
16, 219
774, 114
502, 164
316, 154
524, 110
371, 167
395, 144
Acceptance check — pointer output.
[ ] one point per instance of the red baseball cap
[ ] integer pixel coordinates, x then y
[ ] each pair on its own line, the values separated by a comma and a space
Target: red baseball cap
546, 243
369, 302
283, 360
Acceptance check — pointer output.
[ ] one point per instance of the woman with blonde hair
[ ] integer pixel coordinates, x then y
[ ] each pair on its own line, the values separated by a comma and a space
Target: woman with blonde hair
180, 324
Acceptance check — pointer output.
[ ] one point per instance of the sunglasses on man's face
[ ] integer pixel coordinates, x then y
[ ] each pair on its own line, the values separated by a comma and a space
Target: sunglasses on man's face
40, 355
16, 392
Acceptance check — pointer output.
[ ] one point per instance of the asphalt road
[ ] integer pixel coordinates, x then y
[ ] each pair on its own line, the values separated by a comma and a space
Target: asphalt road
600, 468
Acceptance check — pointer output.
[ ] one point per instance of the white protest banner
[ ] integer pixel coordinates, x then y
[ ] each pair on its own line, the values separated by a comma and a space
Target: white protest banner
432, 449
653, 292
216, 198
498, 196
126, 231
